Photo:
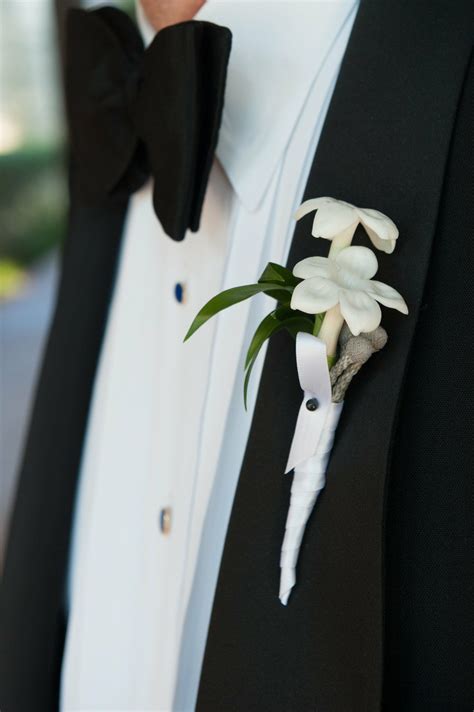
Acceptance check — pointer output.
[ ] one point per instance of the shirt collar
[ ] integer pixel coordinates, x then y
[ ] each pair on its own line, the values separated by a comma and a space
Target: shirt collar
278, 49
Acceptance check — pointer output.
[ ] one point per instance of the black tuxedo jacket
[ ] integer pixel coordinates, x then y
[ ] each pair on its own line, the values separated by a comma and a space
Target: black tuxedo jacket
384, 618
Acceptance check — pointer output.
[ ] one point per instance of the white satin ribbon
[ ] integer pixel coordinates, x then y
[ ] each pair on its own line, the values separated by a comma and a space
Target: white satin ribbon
313, 373
310, 451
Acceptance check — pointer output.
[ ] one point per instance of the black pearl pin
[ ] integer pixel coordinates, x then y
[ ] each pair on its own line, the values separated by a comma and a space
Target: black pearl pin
312, 404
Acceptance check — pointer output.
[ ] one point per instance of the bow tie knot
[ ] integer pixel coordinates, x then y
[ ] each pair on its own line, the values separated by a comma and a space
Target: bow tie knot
135, 112
121, 96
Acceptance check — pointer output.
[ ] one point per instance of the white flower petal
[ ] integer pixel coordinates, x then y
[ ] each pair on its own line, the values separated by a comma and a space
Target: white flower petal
387, 246
361, 261
361, 312
386, 295
333, 218
382, 231
313, 267
310, 205
314, 296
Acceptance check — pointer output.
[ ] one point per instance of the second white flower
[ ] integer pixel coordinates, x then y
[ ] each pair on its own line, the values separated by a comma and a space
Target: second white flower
346, 280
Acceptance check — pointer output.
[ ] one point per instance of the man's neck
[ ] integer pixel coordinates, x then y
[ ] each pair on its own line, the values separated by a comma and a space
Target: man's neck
162, 13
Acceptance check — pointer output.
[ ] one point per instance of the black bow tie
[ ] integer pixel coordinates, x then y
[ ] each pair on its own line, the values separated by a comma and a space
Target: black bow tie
135, 112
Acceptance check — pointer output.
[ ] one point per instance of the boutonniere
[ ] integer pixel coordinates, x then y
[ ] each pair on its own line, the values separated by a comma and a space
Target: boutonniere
331, 307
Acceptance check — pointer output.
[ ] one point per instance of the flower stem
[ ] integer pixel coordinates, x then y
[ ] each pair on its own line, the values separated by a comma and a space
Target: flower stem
342, 240
330, 329
318, 320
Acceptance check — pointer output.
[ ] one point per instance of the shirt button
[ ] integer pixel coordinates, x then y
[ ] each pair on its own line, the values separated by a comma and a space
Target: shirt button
179, 292
165, 520
312, 404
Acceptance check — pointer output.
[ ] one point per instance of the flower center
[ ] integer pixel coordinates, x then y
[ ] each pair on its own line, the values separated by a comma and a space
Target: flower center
345, 278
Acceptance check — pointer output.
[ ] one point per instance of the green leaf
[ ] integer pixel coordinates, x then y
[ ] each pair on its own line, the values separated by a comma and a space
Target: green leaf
276, 273
280, 318
282, 295
264, 330
229, 297
300, 324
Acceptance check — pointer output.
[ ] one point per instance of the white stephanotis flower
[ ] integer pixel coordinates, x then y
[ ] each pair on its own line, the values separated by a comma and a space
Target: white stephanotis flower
335, 218
345, 280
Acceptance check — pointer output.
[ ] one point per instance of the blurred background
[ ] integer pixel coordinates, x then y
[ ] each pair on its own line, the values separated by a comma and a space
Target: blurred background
33, 209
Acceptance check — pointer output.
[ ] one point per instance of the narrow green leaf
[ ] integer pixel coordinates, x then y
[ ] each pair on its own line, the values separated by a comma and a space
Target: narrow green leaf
276, 273
265, 329
229, 297
282, 295
246, 383
280, 318
300, 324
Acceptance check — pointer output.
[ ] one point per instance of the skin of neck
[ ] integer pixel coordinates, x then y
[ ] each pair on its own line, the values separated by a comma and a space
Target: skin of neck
162, 13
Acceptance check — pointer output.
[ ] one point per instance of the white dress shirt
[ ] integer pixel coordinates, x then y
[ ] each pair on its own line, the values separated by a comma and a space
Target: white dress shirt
167, 428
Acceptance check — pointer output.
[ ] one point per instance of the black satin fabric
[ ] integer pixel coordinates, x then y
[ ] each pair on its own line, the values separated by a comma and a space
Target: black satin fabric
135, 112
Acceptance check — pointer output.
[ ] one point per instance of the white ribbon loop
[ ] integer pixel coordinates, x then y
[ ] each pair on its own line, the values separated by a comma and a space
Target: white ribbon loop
313, 373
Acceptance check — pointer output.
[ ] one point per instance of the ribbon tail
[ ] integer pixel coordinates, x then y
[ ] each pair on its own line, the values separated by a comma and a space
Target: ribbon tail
308, 481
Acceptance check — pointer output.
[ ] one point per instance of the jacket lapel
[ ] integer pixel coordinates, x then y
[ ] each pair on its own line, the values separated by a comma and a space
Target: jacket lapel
33, 586
384, 145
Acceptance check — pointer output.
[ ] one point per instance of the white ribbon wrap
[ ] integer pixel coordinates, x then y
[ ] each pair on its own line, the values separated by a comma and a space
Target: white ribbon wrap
310, 450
